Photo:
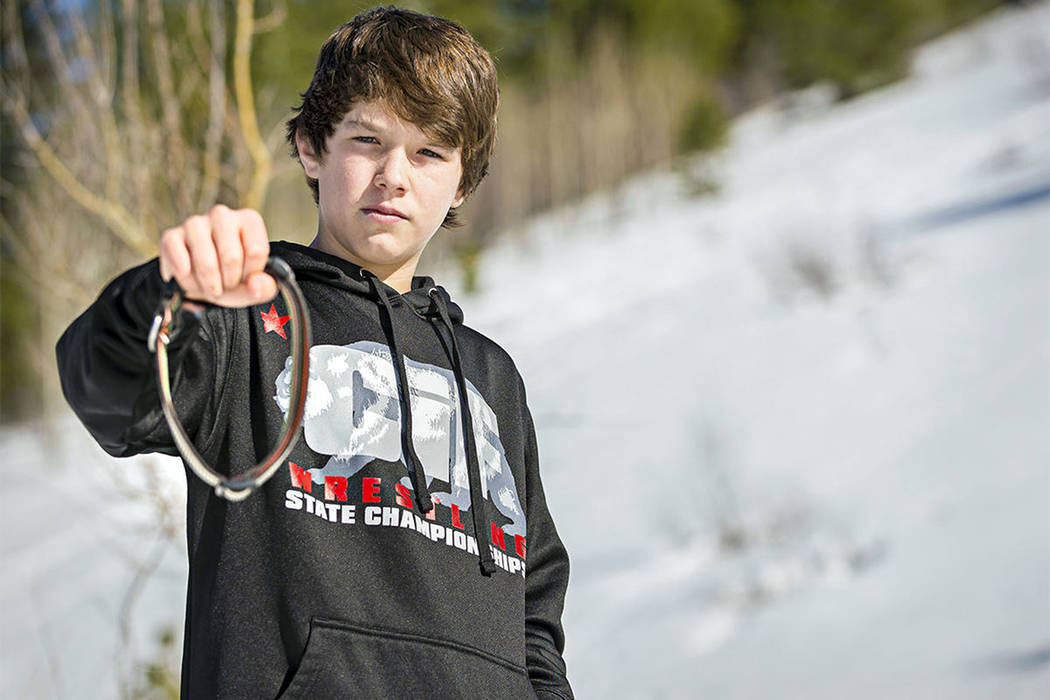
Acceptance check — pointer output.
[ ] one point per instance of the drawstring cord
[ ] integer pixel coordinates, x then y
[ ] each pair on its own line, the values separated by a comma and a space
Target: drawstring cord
477, 501
415, 466
423, 499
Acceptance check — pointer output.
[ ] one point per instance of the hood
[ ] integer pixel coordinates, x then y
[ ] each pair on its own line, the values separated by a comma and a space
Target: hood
312, 264
433, 305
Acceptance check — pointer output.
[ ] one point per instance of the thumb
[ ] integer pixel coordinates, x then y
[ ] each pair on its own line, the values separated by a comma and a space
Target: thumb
262, 286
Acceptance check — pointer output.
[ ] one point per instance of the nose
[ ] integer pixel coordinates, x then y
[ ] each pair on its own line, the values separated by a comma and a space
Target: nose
392, 171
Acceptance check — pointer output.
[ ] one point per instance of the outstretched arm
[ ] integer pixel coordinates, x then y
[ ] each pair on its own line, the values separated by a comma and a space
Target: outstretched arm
107, 373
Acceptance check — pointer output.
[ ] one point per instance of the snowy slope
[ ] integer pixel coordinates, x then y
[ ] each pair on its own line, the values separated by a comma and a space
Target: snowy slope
772, 493
820, 478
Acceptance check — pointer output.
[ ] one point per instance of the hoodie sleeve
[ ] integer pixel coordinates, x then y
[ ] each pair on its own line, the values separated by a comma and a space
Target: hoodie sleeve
109, 376
546, 578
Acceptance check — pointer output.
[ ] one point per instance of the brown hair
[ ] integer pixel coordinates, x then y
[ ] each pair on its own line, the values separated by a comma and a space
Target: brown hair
430, 71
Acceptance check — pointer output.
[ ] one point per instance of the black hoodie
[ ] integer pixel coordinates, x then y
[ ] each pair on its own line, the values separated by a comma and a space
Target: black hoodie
332, 580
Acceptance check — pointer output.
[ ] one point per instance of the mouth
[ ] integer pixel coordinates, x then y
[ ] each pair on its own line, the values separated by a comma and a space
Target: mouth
383, 213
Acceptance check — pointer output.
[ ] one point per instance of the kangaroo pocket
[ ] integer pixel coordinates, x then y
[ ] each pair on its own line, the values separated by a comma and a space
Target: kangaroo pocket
346, 660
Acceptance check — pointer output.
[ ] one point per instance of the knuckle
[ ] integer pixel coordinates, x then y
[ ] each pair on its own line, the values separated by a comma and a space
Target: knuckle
206, 266
255, 249
171, 241
169, 249
252, 216
220, 218
195, 222
229, 257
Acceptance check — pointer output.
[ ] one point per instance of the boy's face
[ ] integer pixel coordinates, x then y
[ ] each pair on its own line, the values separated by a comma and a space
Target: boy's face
384, 188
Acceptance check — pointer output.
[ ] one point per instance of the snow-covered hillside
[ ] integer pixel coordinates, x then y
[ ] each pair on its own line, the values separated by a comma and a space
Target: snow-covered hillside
795, 433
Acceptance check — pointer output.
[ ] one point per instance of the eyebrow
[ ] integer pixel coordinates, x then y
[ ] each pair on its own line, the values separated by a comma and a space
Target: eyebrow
363, 123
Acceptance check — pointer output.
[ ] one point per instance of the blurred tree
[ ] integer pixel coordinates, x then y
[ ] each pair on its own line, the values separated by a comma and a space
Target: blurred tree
705, 127
129, 116
855, 44
704, 30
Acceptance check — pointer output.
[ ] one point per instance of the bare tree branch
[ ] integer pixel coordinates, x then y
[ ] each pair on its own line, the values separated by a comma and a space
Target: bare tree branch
142, 573
271, 21
100, 79
107, 102
246, 105
171, 109
70, 88
107, 44
209, 191
116, 217
133, 107
25, 258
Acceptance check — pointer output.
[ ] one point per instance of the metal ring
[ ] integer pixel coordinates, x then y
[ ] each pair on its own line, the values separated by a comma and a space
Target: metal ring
237, 488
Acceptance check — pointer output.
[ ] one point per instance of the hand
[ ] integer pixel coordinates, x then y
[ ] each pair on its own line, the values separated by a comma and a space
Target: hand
219, 257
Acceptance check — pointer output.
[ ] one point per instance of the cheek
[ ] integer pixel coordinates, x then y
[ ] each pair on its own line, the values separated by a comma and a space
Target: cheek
443, 186
347, 182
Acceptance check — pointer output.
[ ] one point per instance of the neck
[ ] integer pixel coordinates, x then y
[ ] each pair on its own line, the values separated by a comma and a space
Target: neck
396, 275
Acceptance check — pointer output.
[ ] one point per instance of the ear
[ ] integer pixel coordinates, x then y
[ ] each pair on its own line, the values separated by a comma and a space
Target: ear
309, 159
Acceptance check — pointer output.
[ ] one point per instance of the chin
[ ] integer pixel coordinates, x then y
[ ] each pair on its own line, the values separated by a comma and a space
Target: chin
385, 255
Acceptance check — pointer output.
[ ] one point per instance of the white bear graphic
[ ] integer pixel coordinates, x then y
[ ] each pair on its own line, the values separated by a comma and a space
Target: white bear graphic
353, 414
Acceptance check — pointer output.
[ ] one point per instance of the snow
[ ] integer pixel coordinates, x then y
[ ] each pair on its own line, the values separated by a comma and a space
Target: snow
794, 433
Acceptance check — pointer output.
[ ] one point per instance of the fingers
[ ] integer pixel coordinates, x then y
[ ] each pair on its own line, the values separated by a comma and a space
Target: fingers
262, 287
219, 257
174, 257
203, 255
254, 242
226, 234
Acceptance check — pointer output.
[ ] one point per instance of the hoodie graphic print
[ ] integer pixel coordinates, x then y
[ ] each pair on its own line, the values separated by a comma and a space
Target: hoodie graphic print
405, 549
353, 414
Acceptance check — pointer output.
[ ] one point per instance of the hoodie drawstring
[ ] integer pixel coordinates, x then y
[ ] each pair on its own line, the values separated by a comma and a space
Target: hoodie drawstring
477, 501
415, 466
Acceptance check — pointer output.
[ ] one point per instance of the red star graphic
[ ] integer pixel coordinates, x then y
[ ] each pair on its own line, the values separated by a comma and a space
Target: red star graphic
273, 322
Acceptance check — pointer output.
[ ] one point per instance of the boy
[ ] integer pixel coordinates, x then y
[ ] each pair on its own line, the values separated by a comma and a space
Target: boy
388, 558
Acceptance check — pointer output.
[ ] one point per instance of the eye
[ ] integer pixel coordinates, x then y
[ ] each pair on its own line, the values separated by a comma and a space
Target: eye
429, 153
366, 139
